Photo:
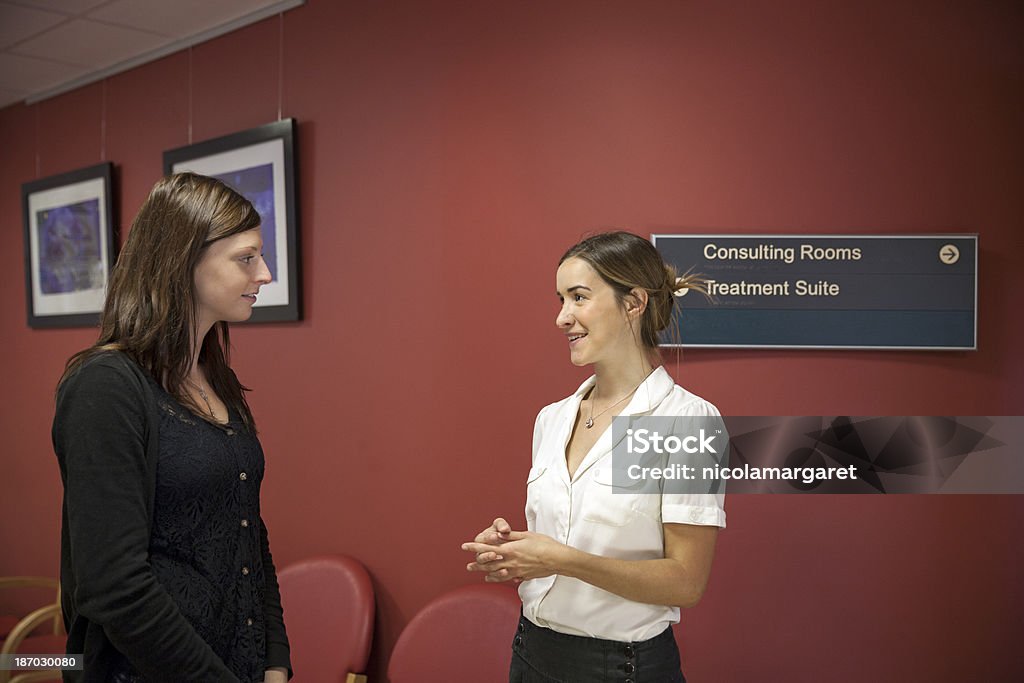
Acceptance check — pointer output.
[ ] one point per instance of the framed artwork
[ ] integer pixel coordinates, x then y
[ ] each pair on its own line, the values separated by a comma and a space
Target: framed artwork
69, 246
259, 164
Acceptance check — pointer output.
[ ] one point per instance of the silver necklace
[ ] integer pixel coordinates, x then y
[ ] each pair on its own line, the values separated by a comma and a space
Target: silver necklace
590, 420
205, 396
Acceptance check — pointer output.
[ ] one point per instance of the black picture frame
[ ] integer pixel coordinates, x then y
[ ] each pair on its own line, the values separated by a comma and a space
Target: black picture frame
70, 246
259, 163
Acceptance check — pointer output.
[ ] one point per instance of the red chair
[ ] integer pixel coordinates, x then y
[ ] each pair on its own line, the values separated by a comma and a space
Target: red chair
328, 610
465, 634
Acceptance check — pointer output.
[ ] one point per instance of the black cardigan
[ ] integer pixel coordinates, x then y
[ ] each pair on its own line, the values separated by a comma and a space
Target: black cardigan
105, 435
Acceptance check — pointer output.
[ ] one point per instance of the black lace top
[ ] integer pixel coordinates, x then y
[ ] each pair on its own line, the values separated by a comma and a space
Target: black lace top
205, 543
165, 561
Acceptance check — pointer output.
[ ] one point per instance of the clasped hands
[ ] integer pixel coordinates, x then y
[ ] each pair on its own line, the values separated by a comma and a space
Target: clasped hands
507, 555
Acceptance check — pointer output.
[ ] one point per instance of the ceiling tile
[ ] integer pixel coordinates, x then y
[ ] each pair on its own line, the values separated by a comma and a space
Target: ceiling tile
49, 46
18, 23
181, 18
90, 43
71, 7
18, 72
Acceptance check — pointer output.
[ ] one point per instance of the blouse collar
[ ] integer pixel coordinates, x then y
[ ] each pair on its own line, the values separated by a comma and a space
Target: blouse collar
651, 392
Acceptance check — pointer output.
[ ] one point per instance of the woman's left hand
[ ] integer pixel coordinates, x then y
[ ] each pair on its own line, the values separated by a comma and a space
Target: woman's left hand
275, 675
525, 555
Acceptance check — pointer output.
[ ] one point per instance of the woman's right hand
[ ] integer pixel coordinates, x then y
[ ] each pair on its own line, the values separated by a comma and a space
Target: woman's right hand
496, 534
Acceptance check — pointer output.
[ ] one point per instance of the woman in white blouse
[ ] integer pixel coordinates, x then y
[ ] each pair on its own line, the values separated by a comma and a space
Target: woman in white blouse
602, 576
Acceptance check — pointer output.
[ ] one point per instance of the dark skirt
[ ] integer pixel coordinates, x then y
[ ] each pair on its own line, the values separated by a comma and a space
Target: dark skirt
540, 655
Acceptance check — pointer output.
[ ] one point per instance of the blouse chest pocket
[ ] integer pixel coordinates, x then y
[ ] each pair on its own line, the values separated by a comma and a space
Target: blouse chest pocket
534, 495
615, 503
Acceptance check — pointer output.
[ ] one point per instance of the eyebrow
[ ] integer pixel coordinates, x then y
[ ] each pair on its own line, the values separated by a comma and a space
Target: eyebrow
573, 289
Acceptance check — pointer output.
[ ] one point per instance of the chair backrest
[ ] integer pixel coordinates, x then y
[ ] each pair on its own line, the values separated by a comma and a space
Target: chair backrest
465, 634
25, 635
9, 621
328, 610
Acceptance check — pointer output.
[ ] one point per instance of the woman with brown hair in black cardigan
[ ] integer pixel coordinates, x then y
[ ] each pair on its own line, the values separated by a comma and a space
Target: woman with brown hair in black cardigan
165, 564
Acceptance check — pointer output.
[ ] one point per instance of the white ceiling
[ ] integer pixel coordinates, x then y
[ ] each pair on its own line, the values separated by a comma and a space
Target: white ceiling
51, 46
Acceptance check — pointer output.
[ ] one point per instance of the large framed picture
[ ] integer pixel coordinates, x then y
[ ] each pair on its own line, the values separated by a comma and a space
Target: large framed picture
69, 246
260, 164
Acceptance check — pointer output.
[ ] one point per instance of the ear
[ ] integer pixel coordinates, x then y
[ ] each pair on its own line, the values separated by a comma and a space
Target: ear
636, 302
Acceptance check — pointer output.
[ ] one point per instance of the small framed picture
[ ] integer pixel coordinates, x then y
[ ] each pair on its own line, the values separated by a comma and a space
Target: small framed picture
69, 246
259, 164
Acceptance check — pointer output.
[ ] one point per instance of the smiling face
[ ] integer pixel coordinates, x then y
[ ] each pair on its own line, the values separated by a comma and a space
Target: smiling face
227, 278
594, 321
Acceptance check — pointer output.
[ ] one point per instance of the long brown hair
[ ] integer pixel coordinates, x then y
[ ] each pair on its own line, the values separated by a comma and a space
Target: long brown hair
150, 312
627, 262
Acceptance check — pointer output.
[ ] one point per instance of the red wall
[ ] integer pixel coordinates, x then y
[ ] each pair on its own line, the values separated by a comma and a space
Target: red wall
449, 152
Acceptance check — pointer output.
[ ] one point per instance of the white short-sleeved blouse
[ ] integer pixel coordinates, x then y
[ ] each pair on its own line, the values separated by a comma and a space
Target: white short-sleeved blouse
582, 512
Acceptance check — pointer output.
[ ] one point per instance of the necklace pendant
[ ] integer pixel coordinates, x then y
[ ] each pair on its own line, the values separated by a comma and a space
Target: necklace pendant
590, 422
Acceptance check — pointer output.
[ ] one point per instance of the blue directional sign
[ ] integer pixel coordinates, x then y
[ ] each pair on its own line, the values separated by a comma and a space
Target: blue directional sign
826, 291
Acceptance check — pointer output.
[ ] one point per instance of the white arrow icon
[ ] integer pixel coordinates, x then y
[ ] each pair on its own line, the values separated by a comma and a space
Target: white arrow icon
949, 254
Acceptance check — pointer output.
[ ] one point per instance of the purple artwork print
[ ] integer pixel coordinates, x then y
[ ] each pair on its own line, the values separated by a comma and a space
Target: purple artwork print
70, 248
